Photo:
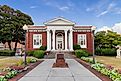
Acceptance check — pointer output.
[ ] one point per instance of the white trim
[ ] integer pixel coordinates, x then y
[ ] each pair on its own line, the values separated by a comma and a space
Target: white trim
59, 18
60, 40
84, 39
39, 38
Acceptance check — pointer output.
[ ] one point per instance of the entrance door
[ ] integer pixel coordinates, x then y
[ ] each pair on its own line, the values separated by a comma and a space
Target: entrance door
59, 41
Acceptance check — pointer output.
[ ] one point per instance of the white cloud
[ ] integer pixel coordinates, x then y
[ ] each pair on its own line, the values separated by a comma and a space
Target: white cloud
33, 6
104, 28
64, 8
117, 27
109, 9
102, 13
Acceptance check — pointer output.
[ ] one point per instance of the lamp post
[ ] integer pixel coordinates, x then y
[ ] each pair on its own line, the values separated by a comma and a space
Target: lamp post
25, 27
93, 30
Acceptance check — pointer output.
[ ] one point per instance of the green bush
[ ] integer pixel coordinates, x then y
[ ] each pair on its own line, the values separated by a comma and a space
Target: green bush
2, 78
81, 53
76, 47
30, 53
106, 52
31, 60
39, 54
7, 53
43, 48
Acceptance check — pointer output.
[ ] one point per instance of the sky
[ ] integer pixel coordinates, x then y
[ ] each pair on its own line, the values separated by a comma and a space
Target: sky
100, 13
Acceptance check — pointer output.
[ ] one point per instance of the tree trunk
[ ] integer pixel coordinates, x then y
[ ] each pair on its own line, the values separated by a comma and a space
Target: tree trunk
16, 42
9, 44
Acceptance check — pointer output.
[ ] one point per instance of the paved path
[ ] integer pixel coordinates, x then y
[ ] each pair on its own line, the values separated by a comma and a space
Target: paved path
45, 72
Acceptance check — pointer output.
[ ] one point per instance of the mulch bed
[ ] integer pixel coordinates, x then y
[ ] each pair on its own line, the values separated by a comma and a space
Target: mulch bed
20, 75
99, 75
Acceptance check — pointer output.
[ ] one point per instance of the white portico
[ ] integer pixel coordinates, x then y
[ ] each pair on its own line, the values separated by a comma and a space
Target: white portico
59, 34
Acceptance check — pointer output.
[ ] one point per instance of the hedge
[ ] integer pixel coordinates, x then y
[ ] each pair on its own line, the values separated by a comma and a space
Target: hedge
30, 53
43, 48
39, 54
76, 47
106, 52
7, 53
81, 53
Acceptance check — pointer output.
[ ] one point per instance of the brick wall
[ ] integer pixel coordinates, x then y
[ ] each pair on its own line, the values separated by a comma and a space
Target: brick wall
29, 39
89, 40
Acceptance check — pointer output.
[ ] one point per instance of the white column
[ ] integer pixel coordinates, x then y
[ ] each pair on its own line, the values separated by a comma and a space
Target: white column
71, 40
65, 39
48, 40
53, 39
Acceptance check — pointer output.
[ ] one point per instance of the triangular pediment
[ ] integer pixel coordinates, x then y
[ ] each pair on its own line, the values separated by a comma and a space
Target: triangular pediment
59, 21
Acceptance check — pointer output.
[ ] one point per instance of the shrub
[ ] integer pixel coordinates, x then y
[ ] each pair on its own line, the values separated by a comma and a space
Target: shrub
2, 78
31, 60
7, 53
81, 53
43, 48
106, 52
39, 54
11, 74
30, 53
76, 47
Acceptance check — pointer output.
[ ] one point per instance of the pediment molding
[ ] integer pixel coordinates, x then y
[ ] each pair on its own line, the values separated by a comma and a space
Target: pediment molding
59, 21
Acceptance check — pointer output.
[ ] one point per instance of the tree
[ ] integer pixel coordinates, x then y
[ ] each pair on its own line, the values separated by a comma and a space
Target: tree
107, 39
11, 23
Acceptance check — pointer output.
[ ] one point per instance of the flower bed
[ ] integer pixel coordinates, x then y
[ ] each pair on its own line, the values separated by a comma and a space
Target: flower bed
12, 71
109, 71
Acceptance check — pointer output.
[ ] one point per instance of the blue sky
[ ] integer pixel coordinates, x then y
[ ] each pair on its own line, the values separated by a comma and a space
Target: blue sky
84, 12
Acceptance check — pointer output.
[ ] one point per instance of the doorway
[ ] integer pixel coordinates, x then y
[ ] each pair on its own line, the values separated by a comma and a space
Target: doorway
59, 41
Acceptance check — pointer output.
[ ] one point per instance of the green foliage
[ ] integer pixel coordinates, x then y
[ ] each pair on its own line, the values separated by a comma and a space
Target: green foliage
11, 23
30, 53
20, 62
39, 54
89, 60
112, 73
11, 74
31, 60
2, 78
43, 48
76, 47
106, 52
7, 53
107, 39
81, 53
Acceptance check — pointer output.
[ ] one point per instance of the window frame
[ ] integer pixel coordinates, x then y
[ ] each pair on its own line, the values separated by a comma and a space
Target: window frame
84, 40
35, 38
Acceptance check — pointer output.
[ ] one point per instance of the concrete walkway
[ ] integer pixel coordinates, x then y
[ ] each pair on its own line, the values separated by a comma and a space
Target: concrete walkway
45, 72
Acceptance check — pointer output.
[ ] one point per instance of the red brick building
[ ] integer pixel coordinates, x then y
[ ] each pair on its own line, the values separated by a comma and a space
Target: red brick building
59, 34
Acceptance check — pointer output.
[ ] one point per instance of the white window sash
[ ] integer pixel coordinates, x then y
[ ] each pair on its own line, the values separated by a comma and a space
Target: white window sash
83, 38
37, 38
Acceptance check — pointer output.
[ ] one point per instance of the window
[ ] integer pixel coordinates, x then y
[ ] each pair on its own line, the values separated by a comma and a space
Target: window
82, 40
37, 40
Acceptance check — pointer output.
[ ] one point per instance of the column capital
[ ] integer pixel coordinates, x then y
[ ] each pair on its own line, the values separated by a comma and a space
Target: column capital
53, 30
48, 30
71, 30
65, 30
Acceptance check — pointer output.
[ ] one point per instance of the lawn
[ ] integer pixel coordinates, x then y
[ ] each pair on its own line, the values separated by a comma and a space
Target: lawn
6, 62
113, 61
1, 57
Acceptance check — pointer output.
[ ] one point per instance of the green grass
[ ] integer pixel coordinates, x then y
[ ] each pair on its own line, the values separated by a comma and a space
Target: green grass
108, 60
10, 61
1, 57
